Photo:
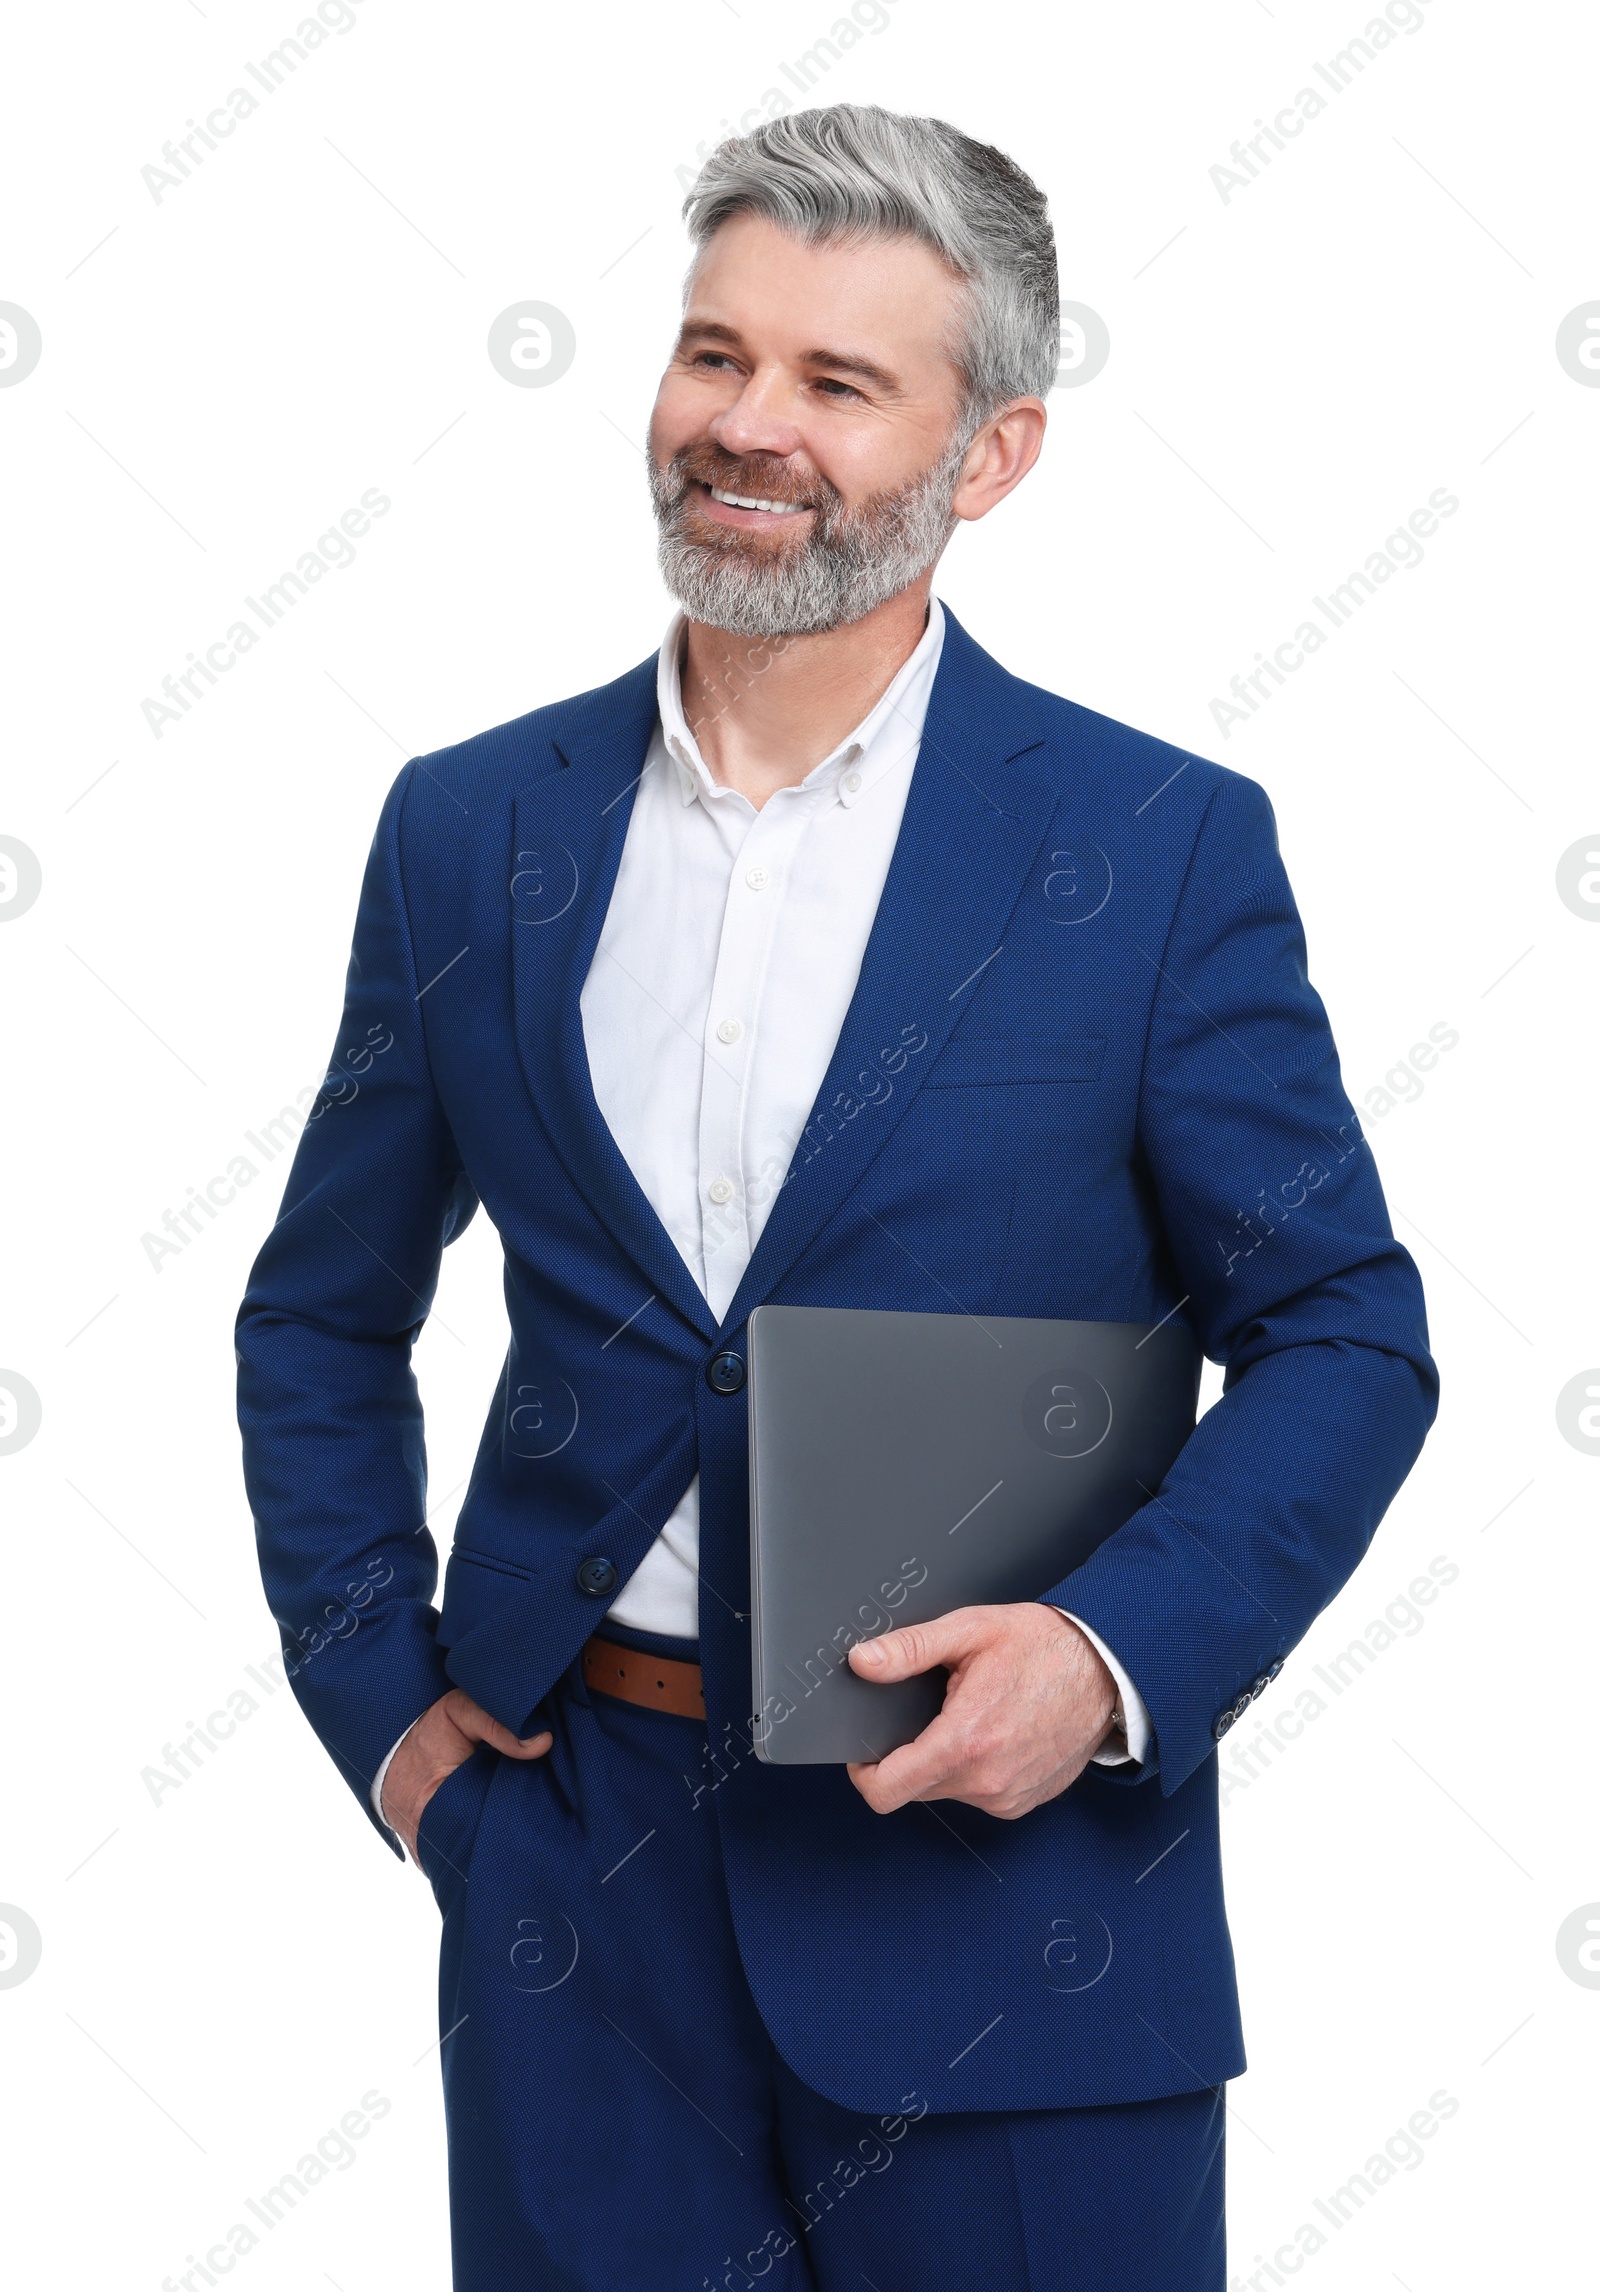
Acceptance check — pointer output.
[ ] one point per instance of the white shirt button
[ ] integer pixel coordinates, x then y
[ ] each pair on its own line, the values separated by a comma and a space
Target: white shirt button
851, 782
721, 1190
729, 1031
757, 878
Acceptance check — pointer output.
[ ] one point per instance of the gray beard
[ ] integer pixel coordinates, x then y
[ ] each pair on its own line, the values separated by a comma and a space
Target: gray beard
851, 562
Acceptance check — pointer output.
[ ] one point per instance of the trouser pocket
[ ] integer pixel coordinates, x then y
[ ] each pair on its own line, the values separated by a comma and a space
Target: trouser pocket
450, 1820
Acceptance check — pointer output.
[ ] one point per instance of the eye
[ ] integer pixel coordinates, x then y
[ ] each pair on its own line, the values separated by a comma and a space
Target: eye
712, 357
834, 387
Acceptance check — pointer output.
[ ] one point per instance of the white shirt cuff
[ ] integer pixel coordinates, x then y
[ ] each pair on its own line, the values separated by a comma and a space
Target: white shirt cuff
1140, 1731
377, 1780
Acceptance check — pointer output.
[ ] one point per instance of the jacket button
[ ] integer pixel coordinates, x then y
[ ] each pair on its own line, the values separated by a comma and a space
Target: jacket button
596, 1577
1221, 1724
725, 1372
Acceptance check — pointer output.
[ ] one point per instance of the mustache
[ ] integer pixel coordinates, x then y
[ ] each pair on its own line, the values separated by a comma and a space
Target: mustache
765, 477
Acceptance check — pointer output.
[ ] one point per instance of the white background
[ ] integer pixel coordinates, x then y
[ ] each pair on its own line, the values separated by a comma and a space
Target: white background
1293, 370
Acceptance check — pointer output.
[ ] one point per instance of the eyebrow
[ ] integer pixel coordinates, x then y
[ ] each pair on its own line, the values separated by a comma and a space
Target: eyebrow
839, 361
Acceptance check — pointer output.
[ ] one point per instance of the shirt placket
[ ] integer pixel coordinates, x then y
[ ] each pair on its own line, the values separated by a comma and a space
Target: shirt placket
750, 922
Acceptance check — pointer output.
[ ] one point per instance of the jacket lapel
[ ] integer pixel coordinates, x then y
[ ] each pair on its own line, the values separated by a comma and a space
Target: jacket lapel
570, 829
975, 817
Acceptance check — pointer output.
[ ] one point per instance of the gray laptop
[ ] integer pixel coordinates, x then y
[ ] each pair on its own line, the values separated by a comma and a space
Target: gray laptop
904, 1464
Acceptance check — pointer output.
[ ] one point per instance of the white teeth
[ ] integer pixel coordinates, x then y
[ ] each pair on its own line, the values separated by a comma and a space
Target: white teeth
744, 501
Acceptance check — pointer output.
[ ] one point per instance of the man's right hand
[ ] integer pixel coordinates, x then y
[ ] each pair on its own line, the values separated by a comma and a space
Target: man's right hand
442, 1740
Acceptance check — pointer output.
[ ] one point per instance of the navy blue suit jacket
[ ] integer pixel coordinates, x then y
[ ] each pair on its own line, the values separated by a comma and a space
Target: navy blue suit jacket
1083, 1074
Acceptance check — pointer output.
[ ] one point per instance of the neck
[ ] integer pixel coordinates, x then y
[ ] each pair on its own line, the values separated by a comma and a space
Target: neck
765, 711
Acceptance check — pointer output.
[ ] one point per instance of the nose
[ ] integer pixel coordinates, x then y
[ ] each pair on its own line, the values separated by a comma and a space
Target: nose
760, 420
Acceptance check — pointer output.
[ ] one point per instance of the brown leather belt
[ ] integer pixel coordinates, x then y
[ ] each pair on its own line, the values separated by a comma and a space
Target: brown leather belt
658, 1682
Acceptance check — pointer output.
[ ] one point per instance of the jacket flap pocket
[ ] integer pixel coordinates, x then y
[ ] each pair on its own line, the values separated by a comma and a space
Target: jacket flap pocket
475, 1585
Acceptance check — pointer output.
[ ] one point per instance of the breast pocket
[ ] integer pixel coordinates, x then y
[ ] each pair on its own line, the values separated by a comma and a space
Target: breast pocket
978, 1059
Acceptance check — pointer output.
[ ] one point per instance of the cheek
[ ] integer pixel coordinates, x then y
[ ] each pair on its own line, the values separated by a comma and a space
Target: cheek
863, 454
682, 409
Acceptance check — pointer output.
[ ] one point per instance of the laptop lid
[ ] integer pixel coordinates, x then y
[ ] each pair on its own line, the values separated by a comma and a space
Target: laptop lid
904, 1464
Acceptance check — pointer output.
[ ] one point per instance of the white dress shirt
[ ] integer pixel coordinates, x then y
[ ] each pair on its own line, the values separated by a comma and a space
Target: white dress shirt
726, 964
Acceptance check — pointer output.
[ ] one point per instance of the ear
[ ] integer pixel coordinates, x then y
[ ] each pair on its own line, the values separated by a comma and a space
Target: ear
1000, 457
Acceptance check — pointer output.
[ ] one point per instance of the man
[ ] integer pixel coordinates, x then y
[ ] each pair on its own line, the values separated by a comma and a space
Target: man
820, 960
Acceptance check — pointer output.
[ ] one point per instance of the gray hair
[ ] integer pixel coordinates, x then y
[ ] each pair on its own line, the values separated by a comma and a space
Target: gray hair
855, 172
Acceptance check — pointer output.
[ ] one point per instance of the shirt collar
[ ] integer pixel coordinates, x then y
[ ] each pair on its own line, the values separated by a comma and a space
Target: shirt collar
882, 738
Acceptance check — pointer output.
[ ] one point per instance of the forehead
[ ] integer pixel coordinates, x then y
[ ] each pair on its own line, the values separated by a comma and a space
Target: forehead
893, 299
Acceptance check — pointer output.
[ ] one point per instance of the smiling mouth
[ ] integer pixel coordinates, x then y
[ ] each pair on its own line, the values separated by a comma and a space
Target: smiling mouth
754, 501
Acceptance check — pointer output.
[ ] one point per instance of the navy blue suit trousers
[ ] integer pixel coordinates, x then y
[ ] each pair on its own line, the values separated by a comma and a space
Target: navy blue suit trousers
620, 2120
